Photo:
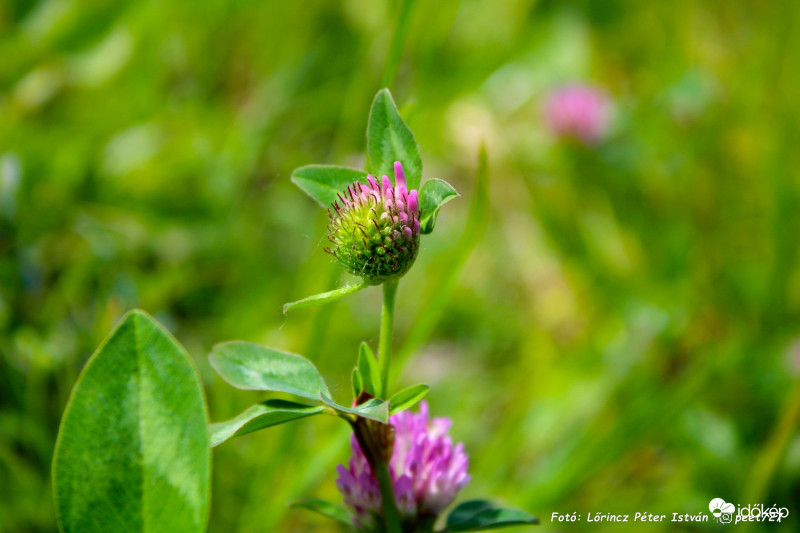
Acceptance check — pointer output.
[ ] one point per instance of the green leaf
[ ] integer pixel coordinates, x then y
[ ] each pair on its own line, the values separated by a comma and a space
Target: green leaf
132, 451
389, 139
324, 182
407, 398
370, 371
261, 416
358, 382
481, 515
433, 195
323, 298
250, 366
327, 509
374, 409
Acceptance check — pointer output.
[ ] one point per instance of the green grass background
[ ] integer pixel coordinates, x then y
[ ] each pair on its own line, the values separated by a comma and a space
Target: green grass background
613, 332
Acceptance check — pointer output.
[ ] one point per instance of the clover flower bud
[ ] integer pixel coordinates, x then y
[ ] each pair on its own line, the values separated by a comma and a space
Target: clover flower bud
427, 471
374, 228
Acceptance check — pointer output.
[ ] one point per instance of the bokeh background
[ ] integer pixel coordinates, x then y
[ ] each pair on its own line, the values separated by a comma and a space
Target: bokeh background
611, 331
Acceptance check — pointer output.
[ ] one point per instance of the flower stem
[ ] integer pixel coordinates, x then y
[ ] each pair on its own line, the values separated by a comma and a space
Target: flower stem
387, 331
390, 513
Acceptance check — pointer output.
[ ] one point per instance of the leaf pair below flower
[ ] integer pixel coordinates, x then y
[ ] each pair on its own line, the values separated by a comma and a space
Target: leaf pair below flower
250, 366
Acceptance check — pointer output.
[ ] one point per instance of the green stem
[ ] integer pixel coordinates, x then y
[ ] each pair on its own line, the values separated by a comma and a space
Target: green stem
398, 40
387, 332
390, 513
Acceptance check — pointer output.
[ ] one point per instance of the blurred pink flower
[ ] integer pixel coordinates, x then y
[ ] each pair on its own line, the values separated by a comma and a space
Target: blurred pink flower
427, 471
578, 111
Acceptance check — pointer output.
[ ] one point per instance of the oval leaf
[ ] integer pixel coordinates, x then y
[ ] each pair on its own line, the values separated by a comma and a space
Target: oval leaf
250, 366
389, 139
433, 195
323, 298
324, 182
373, 409
407, 398
481, 515
261, 416
327, 509
132, 451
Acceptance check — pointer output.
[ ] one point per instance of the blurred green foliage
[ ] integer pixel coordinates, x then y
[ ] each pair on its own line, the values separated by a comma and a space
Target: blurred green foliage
617, 341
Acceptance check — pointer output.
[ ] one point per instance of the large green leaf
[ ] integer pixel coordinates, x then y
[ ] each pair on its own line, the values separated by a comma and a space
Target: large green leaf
327, 509
324, 297
132, 452
250, 366
370, 372
389, 139
374, 409
407, 398
433, 195
260, 416
481, 515
324, 182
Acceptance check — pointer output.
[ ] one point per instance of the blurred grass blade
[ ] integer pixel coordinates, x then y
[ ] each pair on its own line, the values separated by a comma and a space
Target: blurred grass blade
327, 509
132, 452
398, 40
481, 515
407, 398
374, 409
369, 370
250, 366
261, 416
324, 297
443, 290
324, 182
389, 139
769, 458
433, 195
